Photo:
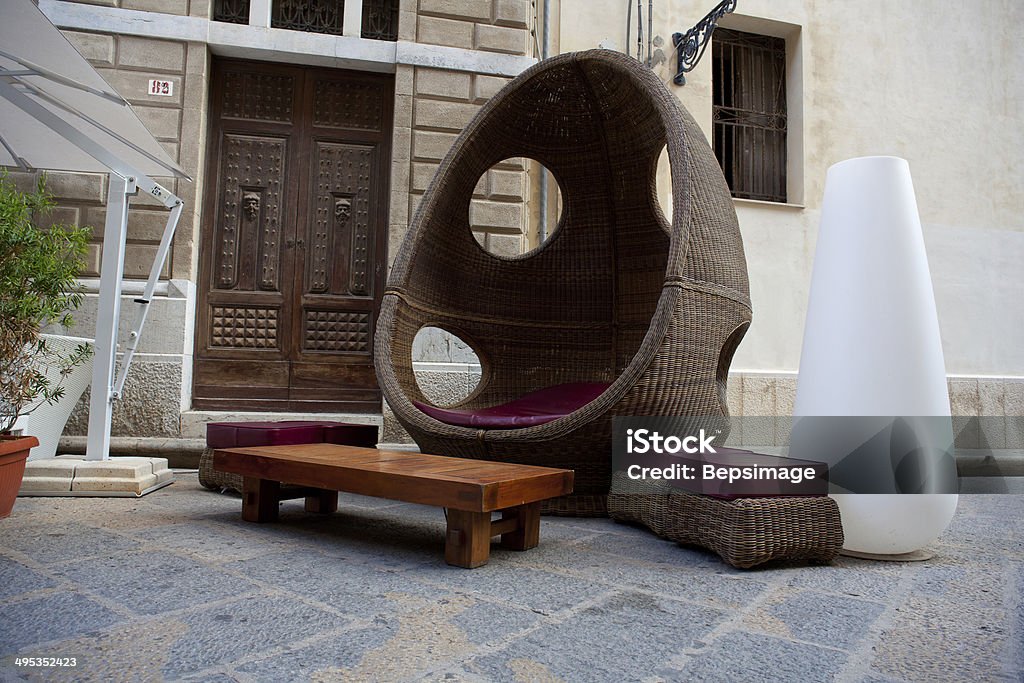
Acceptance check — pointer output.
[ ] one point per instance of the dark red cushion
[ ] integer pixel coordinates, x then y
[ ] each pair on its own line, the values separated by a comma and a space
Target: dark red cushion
288, 433
535, 408
351, 435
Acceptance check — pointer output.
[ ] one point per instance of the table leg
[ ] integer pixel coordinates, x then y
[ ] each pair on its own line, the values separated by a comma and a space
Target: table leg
322, 501
260, 498
527, 532
468, 542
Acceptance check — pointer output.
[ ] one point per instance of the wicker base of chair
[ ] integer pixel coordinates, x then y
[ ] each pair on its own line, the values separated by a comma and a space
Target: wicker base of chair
216, 480
576, 506
744, 532
641, 501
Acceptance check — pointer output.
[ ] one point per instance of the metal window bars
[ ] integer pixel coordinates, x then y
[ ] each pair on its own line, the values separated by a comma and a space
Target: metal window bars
379, 22
749, 113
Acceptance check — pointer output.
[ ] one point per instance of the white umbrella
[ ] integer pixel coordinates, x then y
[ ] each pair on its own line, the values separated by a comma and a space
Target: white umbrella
57, 113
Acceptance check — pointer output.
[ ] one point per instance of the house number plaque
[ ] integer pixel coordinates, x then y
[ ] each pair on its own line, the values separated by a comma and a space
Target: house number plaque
161, 88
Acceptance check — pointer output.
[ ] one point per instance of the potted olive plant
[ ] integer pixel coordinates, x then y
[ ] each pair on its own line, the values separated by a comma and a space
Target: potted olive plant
39, 270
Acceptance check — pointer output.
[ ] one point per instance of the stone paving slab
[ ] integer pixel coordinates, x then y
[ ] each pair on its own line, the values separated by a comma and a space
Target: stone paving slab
741, 656
831, 621
50, 618
17, 579
333, 657
70, 541
612, 639
154, 582
176, 587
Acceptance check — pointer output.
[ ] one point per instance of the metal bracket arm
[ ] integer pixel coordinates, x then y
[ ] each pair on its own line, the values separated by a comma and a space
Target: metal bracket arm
690, 46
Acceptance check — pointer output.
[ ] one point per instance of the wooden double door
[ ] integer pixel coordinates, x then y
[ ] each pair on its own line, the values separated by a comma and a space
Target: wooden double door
293, 251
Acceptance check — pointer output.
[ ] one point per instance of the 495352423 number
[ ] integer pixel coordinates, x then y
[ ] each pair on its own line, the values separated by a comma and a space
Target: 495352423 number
45, 662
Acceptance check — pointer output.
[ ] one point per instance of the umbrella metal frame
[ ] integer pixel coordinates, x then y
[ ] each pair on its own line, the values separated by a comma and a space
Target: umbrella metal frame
124, 181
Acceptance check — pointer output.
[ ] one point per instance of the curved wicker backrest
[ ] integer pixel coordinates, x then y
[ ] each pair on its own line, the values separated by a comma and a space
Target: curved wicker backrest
617, 294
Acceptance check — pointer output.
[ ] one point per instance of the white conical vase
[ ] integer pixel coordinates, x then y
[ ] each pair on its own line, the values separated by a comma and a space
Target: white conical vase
871, 341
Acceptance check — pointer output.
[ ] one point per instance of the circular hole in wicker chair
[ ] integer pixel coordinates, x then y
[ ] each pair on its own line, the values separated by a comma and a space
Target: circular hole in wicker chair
446, 367
508, 200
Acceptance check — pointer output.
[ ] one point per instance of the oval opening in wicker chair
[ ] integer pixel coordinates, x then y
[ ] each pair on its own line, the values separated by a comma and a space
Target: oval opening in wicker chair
620, 298
494, 190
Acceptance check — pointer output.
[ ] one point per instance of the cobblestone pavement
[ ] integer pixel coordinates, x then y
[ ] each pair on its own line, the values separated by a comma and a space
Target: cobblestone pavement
175, 586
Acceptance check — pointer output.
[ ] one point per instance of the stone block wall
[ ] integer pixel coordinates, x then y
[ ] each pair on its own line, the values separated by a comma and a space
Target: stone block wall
487, 25
988, 412
127, 63
149, 407
432, 106
178, 7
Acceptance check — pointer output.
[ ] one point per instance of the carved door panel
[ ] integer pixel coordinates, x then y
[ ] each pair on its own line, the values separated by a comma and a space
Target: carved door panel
341, 271
293, 250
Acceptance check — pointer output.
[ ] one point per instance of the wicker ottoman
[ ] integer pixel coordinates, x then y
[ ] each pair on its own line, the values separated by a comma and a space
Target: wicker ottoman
284, 433
745, 532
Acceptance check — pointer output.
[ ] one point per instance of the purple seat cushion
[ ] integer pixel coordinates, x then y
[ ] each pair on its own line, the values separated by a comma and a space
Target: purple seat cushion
287, 433
535, 408
351, 435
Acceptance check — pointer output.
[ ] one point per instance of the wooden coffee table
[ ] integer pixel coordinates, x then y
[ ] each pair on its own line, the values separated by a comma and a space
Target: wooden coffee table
470, 490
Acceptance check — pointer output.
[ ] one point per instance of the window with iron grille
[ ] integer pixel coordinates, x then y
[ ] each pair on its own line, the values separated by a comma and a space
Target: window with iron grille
379, 22
380, 19
749, 113
315, 16
231, 11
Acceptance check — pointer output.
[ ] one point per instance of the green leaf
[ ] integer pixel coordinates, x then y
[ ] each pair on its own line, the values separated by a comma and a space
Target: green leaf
39, 268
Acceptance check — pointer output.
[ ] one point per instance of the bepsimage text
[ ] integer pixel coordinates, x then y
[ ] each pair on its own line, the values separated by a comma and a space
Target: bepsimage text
709, 472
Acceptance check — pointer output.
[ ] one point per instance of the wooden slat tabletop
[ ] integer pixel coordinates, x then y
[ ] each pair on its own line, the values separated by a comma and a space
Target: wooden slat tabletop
458, 483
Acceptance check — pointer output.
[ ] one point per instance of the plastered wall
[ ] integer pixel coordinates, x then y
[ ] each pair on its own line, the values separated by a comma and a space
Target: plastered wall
939, 83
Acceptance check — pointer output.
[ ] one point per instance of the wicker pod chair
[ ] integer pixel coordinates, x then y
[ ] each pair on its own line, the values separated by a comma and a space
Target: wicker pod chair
616, 295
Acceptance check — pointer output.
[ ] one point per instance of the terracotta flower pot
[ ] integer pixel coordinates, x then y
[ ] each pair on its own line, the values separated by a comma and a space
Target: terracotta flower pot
13, 454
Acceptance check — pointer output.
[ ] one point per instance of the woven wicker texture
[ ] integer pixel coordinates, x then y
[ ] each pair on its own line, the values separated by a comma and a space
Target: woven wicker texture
215, 479
744, 532
617, 294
